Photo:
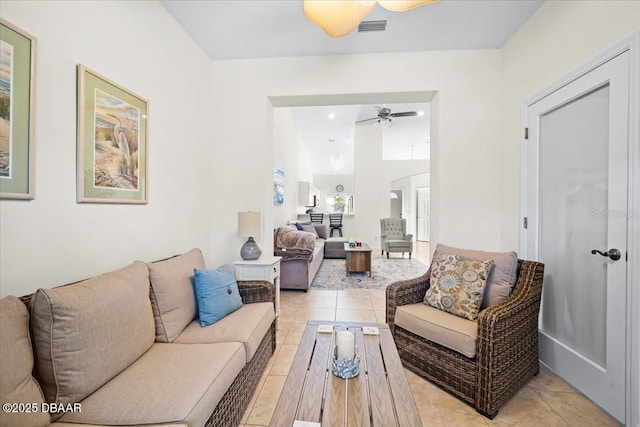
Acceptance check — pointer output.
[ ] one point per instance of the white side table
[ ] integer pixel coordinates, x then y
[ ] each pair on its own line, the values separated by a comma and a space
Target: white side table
265, 268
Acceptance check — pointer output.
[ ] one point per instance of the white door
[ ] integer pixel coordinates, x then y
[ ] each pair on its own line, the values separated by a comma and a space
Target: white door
576, 205
396, 203
422, 198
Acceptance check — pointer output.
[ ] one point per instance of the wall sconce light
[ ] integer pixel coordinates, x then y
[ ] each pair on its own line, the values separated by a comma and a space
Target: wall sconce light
249, 225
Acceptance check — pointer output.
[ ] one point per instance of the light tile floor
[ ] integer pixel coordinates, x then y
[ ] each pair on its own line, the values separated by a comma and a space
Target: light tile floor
545, 401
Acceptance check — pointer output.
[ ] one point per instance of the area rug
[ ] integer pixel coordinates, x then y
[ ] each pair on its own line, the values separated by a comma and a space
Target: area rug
332, 273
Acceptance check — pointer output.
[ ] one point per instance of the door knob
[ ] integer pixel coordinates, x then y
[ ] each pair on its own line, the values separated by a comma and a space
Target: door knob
614, 254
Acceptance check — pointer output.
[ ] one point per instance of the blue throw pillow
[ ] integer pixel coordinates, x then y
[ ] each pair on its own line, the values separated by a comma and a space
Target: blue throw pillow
217, 293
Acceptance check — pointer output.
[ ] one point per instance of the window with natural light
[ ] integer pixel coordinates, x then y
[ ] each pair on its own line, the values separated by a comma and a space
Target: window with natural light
339, 203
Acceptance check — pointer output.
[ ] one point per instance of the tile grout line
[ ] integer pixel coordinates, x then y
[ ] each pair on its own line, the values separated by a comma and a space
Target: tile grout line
549, 406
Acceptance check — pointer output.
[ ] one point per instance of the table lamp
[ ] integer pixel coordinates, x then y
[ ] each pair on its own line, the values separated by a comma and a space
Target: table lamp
249, 225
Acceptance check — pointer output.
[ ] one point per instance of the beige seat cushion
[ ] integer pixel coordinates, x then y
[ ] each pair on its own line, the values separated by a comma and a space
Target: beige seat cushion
172, 295
502, 277
170, 383
88, 332
446, 329
17, 385
247, 325
398, 244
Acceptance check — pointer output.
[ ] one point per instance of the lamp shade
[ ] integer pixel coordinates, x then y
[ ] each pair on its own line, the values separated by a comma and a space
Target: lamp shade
402, 5
249, 224
337, 17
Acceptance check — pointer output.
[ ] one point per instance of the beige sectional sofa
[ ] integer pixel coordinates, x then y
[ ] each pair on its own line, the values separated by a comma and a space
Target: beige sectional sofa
125, 348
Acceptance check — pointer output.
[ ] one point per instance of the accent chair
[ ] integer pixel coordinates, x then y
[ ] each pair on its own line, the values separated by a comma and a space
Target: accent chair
394, 237
483, 362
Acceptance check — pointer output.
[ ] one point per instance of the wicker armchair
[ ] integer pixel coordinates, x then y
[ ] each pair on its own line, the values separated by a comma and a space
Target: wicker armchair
507, 343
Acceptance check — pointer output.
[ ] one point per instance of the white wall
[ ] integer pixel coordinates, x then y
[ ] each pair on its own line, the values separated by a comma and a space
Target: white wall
468, 100
288, 153
53, 240
373, 179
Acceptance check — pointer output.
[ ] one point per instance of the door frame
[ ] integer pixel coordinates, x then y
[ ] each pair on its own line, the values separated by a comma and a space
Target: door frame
428, 222
631, 44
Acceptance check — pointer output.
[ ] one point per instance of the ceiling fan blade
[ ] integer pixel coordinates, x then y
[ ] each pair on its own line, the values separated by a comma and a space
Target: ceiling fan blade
366, 120
405, 114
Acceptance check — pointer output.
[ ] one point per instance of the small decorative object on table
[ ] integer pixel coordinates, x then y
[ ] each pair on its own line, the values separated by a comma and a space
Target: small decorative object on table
250, 224
345, 368
346, 358
352, 243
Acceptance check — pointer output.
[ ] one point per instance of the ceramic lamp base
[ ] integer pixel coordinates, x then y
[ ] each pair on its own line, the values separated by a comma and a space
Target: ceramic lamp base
250, 250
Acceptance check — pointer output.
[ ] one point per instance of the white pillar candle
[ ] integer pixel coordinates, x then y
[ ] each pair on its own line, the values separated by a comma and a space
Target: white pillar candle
346, 343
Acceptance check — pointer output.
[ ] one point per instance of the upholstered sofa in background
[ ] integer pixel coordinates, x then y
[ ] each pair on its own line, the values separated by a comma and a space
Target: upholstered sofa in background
301, 260
125, 348
301, 254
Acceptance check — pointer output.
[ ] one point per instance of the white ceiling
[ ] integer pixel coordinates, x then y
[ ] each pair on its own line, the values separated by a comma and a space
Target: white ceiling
247, 29
239, 29
324, 137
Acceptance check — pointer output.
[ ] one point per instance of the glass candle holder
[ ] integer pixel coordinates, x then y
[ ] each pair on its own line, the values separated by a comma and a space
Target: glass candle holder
345, 368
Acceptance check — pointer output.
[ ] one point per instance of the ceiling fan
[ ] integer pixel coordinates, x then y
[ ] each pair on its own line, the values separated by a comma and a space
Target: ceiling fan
385, 115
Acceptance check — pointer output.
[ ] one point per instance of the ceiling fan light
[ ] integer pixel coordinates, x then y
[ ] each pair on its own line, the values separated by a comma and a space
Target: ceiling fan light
385, 123
337, 18
402, 5
337, 162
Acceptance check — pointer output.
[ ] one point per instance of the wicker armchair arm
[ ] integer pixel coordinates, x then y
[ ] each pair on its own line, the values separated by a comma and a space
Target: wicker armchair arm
524, 300
507, 346
256, 291
405, 292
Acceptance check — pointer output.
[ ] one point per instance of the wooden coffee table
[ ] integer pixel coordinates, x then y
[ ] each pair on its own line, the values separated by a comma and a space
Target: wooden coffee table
378, 397
358, 258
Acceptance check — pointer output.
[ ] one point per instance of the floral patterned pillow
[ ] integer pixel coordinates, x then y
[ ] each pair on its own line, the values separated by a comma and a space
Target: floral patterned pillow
457, 284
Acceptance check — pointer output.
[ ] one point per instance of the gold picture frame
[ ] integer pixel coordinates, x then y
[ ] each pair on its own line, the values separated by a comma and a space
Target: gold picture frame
113, 147
17, 107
